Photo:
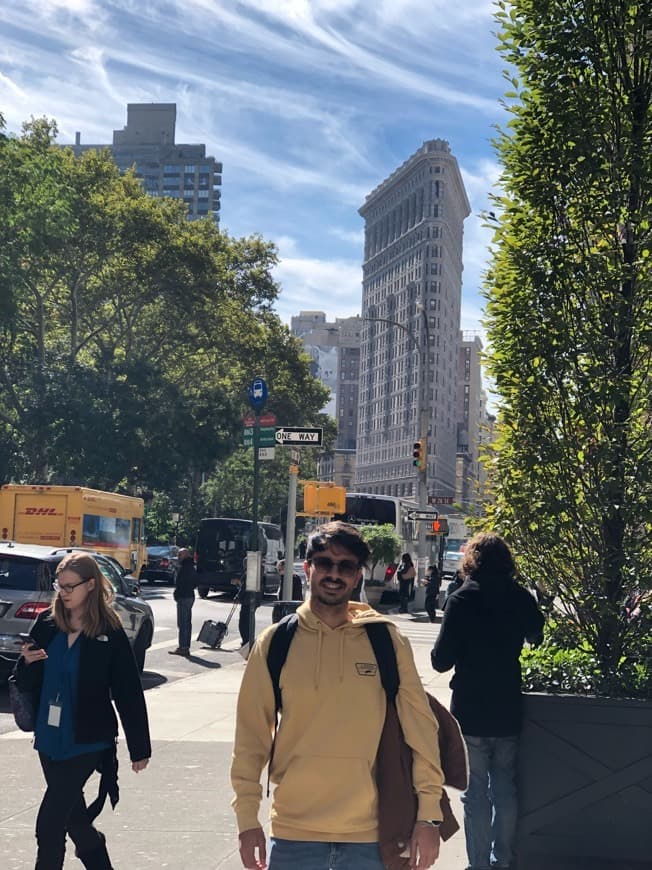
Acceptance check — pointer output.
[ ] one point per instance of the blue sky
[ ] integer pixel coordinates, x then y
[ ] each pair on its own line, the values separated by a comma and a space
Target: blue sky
309, 104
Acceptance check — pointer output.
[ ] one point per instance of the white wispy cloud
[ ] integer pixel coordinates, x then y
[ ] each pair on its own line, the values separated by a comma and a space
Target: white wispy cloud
333, 285
354, 237
308, 103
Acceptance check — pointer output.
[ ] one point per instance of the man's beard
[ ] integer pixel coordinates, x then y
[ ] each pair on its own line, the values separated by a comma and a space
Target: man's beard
331, 598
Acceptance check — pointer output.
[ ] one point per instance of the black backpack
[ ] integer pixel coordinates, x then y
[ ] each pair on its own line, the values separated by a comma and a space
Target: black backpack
381, 642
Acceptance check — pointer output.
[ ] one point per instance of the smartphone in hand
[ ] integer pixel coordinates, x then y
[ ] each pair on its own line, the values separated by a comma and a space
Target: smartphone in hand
27, 638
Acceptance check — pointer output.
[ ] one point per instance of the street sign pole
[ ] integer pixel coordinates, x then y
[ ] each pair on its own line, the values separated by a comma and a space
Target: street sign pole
253, 543
257, 399
289, 534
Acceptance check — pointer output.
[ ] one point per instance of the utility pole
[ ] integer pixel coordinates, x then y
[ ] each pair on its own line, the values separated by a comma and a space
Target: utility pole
286, 592
424, 426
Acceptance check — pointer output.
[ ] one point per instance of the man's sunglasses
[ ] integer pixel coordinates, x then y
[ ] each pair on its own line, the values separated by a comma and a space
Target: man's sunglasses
345, 567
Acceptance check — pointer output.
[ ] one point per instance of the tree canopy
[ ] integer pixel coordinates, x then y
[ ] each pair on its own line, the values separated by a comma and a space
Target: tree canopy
569, 311
128, 333
384, 543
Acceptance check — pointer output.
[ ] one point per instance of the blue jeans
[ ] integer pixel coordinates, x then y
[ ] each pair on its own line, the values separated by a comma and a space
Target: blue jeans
300, 855
490, 807
184, 621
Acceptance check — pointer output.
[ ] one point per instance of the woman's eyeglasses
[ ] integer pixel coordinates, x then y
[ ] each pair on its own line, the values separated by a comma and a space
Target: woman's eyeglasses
345, 567
68, 587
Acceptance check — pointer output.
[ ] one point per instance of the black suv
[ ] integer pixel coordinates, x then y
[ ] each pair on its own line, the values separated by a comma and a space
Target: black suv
26, 577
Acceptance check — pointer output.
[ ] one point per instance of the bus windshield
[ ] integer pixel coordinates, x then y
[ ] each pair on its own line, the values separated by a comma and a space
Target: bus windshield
369, 510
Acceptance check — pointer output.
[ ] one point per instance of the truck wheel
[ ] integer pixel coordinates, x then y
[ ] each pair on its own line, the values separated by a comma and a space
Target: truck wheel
143, 640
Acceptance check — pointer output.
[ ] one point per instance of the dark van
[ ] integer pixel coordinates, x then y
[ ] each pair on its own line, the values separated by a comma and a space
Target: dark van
221, 548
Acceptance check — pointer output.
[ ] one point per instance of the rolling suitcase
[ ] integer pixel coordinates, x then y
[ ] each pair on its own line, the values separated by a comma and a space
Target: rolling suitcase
212, 633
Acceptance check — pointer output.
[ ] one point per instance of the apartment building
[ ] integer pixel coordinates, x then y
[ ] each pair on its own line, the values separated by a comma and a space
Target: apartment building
167, 168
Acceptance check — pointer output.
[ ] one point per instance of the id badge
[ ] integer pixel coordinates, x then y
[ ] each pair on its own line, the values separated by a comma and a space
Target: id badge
54, 714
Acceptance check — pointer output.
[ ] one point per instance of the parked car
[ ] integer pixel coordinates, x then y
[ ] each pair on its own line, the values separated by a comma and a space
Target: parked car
162, 563
26, 575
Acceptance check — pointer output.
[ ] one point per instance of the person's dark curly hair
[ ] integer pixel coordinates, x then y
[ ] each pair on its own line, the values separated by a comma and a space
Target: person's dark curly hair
487, 555
341, 534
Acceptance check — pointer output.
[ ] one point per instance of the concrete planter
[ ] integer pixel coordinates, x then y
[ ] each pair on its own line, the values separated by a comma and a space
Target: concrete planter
374, 594
585, 784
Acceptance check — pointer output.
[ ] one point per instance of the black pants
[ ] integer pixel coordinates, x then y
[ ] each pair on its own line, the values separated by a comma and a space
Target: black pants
404, 594
63, 809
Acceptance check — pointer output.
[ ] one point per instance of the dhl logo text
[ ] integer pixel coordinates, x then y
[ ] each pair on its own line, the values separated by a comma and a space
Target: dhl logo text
41, 512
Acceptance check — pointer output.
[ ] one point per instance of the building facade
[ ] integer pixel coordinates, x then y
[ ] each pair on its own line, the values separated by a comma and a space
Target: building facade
335, 351
411, 298
165, 167
471, 417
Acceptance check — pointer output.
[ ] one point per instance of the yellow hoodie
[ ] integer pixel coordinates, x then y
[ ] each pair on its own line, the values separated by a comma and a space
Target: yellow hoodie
333, 715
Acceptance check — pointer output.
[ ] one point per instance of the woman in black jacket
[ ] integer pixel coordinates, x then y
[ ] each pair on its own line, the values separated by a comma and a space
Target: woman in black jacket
78, 660
406, 574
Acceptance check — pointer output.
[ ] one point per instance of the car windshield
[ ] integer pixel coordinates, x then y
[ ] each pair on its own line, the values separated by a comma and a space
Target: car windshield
159, 551
30, 575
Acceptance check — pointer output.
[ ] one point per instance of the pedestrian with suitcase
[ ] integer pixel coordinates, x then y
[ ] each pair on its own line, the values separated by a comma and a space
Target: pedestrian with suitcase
185, 584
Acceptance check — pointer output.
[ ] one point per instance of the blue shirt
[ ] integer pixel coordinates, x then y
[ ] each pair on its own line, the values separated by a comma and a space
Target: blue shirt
60, 686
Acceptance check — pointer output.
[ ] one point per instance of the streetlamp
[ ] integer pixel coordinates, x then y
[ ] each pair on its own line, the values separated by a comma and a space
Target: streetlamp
422, 348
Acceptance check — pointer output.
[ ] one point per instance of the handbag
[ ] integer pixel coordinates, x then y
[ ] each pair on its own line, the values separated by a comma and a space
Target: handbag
22, 706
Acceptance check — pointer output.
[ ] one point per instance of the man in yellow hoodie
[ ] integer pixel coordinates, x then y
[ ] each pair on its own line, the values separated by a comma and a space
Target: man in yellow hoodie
325, 804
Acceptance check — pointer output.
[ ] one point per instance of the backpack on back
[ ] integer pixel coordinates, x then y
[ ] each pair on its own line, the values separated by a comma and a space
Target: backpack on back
397, 800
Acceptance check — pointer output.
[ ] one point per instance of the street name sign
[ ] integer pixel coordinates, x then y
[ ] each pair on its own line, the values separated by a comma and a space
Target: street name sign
297, 436
265, 419
440, 499
265, 436
420, 516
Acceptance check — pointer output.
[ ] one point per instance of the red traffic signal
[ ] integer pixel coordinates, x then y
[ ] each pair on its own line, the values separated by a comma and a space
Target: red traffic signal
440, 527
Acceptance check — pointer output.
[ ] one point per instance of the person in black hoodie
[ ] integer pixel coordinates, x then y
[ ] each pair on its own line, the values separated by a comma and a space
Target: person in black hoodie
185, 584
485, 624
76, 663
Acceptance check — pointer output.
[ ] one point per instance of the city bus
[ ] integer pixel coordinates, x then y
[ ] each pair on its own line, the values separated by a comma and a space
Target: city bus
369, 509
220, 551
75, 516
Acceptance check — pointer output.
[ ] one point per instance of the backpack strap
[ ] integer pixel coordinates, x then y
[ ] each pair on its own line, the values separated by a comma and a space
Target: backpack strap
381, 642
277, 653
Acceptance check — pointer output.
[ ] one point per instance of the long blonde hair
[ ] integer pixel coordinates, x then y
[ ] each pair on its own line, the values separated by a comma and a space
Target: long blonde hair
99, 616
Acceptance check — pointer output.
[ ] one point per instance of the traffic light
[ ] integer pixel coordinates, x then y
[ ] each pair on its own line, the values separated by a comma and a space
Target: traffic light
440, 526
419, 454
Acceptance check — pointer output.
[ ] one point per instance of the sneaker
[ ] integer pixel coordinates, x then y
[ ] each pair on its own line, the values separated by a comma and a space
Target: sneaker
179, 651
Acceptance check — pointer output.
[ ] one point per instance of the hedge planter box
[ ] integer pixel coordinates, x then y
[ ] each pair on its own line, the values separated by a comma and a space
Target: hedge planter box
585, 784
374, 594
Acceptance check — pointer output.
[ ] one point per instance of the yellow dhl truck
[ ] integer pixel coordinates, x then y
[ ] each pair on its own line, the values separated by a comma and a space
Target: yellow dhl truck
75, 516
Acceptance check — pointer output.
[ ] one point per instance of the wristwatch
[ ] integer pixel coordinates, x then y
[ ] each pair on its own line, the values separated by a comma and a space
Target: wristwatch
433, 822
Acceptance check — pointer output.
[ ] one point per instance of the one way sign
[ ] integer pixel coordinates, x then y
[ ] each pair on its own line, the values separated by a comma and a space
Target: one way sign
295, 435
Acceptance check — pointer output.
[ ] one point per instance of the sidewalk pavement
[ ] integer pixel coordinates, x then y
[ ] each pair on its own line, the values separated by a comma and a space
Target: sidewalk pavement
176, 814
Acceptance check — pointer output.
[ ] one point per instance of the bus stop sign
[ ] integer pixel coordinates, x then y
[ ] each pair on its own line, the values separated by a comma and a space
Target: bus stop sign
257, 394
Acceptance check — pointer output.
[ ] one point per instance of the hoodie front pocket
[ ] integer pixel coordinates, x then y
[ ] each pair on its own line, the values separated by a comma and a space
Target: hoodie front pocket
322, 793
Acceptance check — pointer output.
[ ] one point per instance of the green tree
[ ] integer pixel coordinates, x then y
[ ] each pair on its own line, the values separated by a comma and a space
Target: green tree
384, 543
569, 309
130, 333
